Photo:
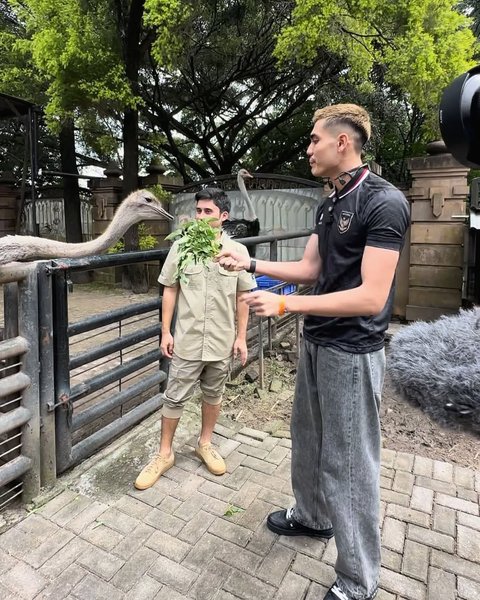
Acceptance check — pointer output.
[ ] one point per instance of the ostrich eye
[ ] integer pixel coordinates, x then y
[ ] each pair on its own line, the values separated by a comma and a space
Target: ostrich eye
148, 199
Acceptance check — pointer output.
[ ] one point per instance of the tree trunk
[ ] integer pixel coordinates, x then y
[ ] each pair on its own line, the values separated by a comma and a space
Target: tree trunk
71, 193
135, 276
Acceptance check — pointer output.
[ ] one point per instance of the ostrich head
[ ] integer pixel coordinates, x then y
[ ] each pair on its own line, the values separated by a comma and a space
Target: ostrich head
144, 206
244, 174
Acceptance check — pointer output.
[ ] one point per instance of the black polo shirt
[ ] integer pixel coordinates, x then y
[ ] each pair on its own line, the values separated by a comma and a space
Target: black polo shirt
368, 211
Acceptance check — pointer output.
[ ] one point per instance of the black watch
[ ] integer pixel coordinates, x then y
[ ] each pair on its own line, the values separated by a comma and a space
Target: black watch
252, 267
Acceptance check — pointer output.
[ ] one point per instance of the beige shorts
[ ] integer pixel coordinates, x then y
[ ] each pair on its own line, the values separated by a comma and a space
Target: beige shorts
183, 377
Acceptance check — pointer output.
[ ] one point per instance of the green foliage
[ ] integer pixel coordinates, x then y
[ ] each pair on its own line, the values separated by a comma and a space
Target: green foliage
419, 45
146, 241
232, 510
197, 243
161, 194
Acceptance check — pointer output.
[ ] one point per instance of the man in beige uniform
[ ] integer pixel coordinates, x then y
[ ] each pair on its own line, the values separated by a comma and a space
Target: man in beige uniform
211, 325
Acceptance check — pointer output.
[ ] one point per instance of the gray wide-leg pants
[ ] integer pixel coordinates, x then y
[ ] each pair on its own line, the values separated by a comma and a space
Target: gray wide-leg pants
336, 457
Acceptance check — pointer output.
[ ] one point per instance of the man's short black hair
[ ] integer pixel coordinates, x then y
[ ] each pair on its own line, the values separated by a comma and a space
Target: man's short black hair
217, 196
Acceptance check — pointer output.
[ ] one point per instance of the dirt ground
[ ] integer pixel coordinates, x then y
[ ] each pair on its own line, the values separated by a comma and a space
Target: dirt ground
405, 427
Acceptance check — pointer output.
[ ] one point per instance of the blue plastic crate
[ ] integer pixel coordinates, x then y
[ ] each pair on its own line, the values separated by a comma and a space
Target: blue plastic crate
264, 282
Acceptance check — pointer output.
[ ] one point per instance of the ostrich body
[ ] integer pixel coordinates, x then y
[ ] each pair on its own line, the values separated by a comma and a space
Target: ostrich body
138, 206
250, 225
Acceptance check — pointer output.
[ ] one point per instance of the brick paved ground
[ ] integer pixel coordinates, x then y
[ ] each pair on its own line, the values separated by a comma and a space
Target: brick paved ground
101, 539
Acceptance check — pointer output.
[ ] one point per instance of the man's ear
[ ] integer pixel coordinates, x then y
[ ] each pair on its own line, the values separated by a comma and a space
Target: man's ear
223, 216
342, 141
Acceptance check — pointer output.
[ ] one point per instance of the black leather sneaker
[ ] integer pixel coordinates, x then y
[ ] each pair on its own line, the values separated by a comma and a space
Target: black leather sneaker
283, 523
335, 593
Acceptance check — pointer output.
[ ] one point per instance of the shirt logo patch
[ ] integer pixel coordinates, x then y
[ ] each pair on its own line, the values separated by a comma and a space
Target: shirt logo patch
345, 221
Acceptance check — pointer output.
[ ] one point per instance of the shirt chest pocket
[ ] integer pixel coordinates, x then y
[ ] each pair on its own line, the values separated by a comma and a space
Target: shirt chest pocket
195, 276
227, 280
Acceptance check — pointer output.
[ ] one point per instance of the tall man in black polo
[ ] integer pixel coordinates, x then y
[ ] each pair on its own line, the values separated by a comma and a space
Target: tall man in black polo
350, 260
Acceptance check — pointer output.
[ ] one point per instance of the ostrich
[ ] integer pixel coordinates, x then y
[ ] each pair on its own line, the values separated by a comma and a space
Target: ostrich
250, 226
138, 206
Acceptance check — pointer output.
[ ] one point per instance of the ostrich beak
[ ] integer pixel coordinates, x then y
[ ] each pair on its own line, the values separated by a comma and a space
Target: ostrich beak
249, 175
162, 212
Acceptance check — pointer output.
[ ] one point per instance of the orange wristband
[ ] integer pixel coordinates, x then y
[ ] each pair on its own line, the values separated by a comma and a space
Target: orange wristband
282, 306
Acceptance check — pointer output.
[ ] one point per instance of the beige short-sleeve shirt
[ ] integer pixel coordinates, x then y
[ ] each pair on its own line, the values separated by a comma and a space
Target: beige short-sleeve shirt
206, 305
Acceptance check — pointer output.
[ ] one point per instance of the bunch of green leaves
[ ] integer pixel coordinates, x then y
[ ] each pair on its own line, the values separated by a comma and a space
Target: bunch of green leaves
198, 243
146, 241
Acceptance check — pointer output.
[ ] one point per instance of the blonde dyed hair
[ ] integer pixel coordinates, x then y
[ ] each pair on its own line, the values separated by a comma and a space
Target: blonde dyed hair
352, 115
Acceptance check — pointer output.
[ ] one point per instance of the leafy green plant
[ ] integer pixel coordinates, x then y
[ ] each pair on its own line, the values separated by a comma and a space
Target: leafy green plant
198, 243
146, 241
232, 510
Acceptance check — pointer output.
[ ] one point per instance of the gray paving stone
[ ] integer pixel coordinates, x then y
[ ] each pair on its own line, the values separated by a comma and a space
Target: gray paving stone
465, 494
18, 543
403, 482
216, 490
230, 532
174, 474
441, 585
24, 581
314, 570
262, 540
253, 433
172, 574
468, 543
278, 498
53, 506
422, 499
102, 536
404, 461
134, 541
391, 560
408, 515
278, 454
132, 507
270, 443
386, 482
94, 588
36, 525
259, 465
256, 514
88, 516
443, 471
134, 569
293, 586
196, 527
255, 451
226, 447
170, 504
166, 593
237, 479
6, 562
415, 560
70, 510
145, 589
458, 504
388, 457
48, 548
464, 477
186, 463
455, 564
61, 561
436, 485
7, 594
431, 538
444, 520
468, 589
423, 466
286, 443
207, 585
121, 522
284, 470
152, 496
395, 497
235, 459
168, 546
469, 520
246, 494
186, 489
393, 534
275, 565
226, 432
165, 522
100, 563
246, 587
316, 591
63, 584
406, 587
313, 547
268, 481
244, 439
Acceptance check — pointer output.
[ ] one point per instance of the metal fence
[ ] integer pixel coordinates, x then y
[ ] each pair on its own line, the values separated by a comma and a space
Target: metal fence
87, 380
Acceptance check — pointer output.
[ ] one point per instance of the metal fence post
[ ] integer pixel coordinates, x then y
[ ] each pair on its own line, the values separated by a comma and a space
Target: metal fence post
48, 461
63, 403
28, 329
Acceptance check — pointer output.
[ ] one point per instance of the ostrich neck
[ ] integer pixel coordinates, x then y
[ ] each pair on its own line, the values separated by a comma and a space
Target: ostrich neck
120, 223
250, 212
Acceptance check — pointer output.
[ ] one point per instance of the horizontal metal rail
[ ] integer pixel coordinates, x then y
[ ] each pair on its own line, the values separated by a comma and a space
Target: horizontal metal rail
87, 446
13, 419
14, 383
13, 347
96, 383
99, 410
113, 316
115, 345
14, 469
